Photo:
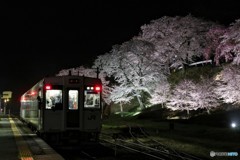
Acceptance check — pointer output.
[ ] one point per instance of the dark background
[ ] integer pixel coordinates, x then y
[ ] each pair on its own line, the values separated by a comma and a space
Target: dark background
39, 39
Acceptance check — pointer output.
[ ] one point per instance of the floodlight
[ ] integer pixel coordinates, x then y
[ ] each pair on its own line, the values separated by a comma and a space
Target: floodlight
233, 125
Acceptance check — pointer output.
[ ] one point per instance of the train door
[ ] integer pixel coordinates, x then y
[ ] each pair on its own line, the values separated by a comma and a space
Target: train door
53, 117
72, 117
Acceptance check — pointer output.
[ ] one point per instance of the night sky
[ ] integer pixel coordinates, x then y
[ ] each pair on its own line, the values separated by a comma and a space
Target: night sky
42, 39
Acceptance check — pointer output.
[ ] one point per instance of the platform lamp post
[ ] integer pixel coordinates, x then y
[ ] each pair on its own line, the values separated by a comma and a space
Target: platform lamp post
5, 105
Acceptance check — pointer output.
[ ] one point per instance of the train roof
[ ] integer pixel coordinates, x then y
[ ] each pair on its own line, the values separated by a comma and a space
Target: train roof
56, 79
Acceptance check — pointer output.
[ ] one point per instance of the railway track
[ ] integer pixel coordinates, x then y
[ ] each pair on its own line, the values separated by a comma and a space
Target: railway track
162, 148
139, 141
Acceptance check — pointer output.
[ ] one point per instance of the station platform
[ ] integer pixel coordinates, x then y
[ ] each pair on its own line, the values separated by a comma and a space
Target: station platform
18, 142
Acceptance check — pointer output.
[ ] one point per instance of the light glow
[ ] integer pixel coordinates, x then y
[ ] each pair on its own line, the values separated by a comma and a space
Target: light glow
233, 125
48, 87
97, 88
33, 93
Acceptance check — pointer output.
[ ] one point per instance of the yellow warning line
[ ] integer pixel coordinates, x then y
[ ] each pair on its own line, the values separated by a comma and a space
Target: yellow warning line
24, 152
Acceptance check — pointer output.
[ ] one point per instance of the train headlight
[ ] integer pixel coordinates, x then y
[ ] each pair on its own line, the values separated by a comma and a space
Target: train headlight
97, 88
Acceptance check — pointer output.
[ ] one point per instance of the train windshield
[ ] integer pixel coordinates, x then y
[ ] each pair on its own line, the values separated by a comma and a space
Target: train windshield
92, 99
54, 99
73, 99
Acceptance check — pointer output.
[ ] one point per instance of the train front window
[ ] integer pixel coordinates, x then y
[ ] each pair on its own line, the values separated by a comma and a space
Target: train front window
73, 99
54, 99
92, 99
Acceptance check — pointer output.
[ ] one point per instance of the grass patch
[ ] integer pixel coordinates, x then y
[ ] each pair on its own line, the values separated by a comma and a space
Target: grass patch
191, 138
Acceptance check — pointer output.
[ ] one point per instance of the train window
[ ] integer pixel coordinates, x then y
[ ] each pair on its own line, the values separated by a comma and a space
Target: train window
54, 99
92, 99
73, 99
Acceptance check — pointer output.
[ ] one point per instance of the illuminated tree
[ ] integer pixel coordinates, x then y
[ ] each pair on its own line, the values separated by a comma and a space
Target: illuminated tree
182, 97
188, 95
120, 95
206, 97
134, 67
228, 84
162, 91
214, 37
229, 48
79, 71
178, 40
228, 40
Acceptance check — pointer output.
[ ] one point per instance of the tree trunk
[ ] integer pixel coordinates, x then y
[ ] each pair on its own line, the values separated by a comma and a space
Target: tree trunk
121, 109
208, 111
188, 112
140, 103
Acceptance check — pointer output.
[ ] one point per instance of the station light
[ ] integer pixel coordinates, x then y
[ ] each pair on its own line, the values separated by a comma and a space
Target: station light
6, 100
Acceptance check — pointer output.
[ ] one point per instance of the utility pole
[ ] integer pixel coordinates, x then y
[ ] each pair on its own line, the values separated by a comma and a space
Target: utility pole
98, 72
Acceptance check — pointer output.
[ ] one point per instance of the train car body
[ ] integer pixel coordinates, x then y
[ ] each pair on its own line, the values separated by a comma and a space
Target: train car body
64, 107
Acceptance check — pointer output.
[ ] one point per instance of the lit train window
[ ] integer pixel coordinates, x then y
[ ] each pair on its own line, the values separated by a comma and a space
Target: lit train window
92, 99
54, 99
73, 99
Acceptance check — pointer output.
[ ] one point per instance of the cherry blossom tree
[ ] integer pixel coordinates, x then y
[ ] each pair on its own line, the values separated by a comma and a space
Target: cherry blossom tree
213, 37
79, 71
182, 97
228, 84
161, 93
188, 95
133, 66
229, 48
178, 40
120, 95
206, 97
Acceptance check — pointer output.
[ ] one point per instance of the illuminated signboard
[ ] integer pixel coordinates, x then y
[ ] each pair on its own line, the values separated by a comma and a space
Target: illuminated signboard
6, 94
